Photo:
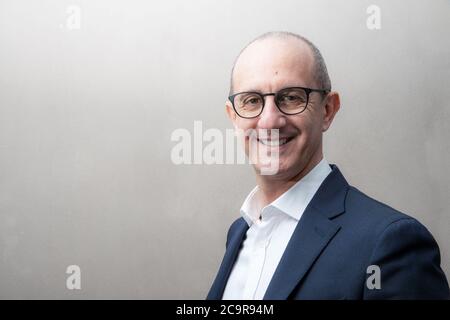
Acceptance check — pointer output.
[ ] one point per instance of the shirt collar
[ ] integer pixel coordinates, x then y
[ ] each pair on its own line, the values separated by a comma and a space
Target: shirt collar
295, 200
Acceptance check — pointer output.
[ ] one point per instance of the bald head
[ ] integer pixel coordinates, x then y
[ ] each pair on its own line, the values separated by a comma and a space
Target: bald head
289, 47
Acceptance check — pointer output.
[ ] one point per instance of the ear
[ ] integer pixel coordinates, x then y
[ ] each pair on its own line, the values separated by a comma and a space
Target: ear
230, 112
332, 105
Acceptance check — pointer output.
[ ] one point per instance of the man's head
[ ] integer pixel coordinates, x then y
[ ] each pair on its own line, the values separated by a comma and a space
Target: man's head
275, 61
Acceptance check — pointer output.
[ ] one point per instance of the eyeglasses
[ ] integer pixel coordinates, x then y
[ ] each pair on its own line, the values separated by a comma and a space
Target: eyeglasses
289, 101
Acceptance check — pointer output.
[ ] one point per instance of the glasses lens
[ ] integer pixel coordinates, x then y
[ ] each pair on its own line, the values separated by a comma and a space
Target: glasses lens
248, 105
292, 100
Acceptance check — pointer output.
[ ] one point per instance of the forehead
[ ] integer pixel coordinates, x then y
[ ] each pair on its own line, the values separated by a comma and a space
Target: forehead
272, 64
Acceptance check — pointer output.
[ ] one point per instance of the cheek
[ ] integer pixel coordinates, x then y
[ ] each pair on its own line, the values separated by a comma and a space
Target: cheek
245, 124
313, 140
309, 134
242, 127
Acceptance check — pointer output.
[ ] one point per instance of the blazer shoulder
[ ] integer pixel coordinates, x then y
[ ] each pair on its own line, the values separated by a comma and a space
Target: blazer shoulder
403, 248
374, 219
409, 259
365, 210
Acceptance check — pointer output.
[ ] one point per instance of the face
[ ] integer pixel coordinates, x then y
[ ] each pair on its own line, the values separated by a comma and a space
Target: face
270, 65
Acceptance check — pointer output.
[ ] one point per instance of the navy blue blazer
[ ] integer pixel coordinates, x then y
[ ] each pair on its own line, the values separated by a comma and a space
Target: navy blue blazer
341, 233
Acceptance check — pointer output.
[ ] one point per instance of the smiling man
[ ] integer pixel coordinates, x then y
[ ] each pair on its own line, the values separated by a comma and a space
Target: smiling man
305, 233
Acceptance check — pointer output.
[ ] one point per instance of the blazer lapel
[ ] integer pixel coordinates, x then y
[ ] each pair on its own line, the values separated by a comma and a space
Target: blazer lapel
311, 236
216, 291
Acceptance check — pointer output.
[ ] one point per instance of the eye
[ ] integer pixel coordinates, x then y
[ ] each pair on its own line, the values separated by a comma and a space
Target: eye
252, 100
292, 96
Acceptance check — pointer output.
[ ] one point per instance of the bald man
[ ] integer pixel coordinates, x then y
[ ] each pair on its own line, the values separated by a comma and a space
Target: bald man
304, 232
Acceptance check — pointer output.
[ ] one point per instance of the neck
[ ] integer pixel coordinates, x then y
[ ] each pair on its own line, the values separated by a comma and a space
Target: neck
271, 187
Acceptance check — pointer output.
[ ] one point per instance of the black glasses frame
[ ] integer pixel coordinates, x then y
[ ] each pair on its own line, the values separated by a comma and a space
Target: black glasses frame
275, 94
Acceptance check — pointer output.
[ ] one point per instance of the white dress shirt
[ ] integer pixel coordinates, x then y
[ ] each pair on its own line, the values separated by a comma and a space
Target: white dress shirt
267, 238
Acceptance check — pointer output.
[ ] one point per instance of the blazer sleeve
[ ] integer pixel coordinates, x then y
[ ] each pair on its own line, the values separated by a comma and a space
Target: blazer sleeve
409, 262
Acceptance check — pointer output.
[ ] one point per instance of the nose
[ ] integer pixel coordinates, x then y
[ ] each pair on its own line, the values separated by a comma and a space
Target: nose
271, 117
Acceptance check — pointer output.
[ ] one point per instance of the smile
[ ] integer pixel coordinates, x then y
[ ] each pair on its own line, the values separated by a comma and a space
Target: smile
275, 143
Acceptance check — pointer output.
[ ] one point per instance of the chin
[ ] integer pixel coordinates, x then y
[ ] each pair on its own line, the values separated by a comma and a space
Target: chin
279, 170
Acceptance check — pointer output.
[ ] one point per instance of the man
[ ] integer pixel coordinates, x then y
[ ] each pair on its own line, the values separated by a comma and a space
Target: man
304, 232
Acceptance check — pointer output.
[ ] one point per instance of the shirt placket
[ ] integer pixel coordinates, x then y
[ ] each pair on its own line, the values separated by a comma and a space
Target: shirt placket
259, 255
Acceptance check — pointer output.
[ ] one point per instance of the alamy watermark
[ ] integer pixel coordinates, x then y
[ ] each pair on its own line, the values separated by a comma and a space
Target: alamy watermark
373, 282
373, 21
73, 281
73, 18
258, 146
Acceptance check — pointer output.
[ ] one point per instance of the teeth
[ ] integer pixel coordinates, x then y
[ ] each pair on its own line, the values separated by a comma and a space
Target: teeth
273, 143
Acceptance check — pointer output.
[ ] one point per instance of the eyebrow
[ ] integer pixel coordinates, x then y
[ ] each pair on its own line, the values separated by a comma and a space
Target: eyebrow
282, 88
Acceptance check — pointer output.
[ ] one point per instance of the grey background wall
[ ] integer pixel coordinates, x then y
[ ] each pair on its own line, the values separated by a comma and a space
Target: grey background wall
86, 117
